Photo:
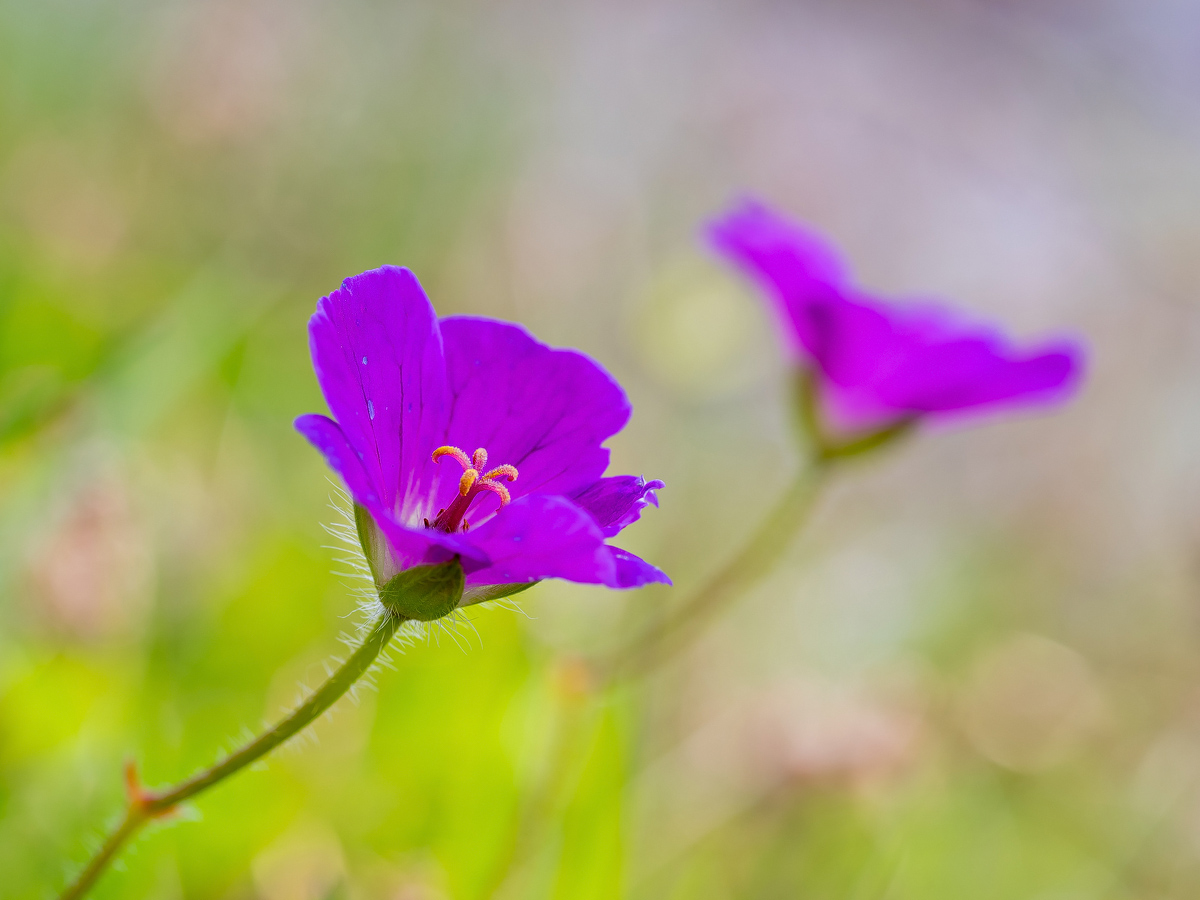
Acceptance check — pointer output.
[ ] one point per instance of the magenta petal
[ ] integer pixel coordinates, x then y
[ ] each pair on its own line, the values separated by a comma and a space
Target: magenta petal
618, 501
794, 265
410, 546
633, 571
851, 343
324, 434
537, 537
881, 361
396, 396
426, 546
378, 357
545, 411
979, 372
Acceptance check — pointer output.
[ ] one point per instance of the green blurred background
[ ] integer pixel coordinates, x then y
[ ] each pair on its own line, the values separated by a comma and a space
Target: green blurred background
977, 676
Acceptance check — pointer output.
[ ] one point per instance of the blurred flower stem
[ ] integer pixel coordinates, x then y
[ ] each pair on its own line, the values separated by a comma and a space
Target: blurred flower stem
678, 628
675, 631
663, 640
145, 806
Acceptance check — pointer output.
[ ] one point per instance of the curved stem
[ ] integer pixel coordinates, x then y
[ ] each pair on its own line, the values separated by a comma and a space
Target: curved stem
672, 633
147, 805
132, 821
661, 641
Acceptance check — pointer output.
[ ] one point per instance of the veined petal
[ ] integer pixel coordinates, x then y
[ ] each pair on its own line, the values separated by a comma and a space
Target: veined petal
324, 434
541, 536
378, 356
409, 546
617, 502
633, 571
426, 546
543, 410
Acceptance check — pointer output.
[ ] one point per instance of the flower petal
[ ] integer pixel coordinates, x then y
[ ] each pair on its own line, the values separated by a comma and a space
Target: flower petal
378, 357
982, 372
881, 360
545, 411
409, 546
617, 502
541, 536
324, 434
794, 265
426, 546
633, 571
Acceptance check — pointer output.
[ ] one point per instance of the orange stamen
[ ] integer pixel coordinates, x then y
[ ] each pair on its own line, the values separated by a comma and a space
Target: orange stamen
470, 484
498, 489
469, 477
461, 458
504, 471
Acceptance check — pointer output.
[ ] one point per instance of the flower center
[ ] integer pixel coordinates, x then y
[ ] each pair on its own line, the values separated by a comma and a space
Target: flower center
470, 486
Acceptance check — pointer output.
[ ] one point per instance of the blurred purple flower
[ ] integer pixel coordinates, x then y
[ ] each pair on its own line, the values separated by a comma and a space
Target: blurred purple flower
877, 362
407, 391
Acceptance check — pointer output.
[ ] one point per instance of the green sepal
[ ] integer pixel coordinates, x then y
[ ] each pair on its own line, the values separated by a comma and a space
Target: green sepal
873, 440
806, 408
825, 448
424, 593
484, 592
370, 539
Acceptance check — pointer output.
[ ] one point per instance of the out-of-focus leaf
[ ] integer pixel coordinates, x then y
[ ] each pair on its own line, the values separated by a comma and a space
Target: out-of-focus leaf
29, 397
190, 340
591, 865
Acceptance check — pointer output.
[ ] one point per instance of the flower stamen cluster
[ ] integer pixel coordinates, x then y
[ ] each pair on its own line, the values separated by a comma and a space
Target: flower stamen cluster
470, 486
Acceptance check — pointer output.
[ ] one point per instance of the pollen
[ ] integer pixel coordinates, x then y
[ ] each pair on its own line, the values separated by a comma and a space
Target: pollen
469, 478
461, 458
499, 490
505, 471
471, 485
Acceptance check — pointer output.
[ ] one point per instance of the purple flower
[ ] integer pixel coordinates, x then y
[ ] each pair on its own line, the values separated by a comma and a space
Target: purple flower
524, 498
876, 362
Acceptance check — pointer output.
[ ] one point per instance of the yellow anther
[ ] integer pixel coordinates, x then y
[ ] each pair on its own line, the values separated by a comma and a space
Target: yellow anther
504, 471
498, 489
468, 478
470, 485
461, 458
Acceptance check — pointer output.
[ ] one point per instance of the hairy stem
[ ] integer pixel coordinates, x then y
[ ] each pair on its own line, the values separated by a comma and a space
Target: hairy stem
134, 818
147, 805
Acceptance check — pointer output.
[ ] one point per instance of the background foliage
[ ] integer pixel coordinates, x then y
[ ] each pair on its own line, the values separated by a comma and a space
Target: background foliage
975, 677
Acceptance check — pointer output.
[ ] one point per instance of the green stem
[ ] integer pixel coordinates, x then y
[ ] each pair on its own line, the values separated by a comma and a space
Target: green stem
672, 633
660, 642
134, 818
825, 447
147, 805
